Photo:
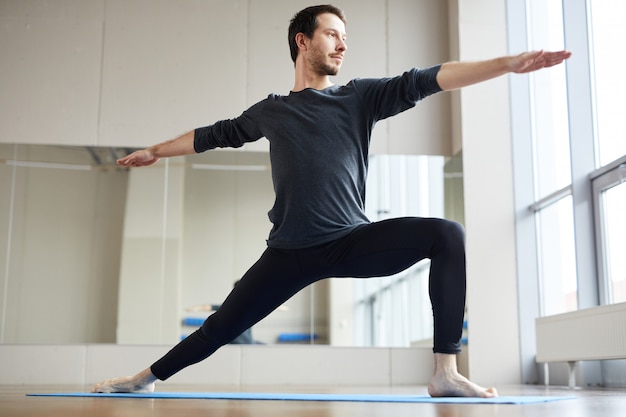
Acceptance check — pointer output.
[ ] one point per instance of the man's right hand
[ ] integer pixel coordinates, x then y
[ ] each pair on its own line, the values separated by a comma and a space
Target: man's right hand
140, 158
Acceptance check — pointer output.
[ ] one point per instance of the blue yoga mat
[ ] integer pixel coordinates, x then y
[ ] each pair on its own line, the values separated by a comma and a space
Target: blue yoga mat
315, 397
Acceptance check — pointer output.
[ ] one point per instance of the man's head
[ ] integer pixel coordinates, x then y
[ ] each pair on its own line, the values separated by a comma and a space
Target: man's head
306, 22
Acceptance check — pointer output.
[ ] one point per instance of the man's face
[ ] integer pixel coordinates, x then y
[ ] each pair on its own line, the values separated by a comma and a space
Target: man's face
328, 45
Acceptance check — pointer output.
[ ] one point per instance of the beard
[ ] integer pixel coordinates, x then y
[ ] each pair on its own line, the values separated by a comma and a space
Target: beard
323, 68
317, 61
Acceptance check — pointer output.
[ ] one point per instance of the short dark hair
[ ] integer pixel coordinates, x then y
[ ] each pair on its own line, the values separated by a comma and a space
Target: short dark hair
305, 21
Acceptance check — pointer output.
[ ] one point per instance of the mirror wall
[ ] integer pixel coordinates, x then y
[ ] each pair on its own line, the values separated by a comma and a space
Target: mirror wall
90, 253
93, 253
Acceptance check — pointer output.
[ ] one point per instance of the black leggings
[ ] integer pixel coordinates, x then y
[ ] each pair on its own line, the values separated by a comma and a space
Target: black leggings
374, 250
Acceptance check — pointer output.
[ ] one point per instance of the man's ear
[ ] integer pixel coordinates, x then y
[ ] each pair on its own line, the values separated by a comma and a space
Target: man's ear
301, 41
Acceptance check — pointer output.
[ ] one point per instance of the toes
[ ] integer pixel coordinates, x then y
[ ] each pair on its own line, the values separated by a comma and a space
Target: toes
491, 392
97, 388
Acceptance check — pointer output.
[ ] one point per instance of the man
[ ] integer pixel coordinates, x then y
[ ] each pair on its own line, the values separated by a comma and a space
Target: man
319, 137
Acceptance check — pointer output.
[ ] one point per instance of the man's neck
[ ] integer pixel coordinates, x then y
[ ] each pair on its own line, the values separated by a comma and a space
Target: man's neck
306, 79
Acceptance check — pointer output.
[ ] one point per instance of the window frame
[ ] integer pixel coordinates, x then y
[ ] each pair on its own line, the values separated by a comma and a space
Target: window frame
602, 180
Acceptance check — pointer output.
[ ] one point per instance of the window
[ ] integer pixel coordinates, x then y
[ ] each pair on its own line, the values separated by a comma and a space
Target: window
557, 258
607, 36
549, 101
569, 161
551, 164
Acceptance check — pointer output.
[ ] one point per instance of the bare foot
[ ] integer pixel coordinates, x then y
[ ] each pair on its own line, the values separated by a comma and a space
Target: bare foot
448, 382
142, 382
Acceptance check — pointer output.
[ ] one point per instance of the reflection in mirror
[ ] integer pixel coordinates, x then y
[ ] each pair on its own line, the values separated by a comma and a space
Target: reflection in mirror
61, 224
111, 255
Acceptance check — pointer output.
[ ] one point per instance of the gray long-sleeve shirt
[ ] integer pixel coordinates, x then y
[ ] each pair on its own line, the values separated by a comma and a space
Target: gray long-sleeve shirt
319, 144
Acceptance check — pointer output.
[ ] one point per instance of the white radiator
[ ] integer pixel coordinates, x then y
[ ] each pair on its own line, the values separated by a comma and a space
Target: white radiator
591, 334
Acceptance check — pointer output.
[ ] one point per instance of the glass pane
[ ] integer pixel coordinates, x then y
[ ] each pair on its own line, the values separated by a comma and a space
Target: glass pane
614, 230
557, 259
549, 100
608, 34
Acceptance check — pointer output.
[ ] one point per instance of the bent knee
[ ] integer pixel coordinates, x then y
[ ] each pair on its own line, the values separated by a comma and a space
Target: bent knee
451, 233
454, 229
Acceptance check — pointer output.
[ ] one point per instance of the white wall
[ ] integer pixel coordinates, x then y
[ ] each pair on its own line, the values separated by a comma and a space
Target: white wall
234, 366
489, 214
132, 73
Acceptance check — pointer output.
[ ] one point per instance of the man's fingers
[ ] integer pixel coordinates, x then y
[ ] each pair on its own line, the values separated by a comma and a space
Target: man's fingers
532, 61
557, 57
124, 161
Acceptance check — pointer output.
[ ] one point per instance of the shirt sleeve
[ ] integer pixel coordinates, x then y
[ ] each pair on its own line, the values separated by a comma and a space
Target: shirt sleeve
230, 133
386, 97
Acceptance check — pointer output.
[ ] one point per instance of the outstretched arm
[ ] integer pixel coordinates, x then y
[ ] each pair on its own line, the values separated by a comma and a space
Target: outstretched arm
182, 145
453, 75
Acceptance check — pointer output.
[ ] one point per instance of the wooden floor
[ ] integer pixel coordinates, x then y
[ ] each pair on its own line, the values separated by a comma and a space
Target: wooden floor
14, 403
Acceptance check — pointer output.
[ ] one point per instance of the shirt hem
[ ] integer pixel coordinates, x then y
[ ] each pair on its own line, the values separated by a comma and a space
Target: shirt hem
278, 244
